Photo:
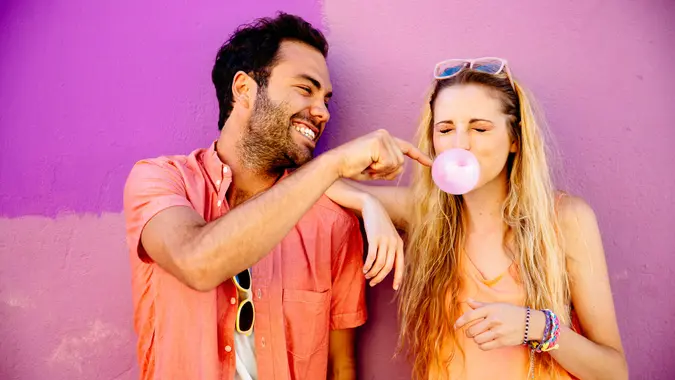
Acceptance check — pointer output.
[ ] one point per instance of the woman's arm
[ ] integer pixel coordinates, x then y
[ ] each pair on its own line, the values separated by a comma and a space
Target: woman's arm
598, 354
396, 200
385, 246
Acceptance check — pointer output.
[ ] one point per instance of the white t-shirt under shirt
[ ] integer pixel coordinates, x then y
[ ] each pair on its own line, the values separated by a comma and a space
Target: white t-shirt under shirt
244, 349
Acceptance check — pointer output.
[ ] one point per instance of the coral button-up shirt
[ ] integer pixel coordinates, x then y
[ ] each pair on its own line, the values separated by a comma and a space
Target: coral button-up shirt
310, 283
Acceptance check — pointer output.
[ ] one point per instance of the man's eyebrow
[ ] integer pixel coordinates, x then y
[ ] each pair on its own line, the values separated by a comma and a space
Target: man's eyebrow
314, 82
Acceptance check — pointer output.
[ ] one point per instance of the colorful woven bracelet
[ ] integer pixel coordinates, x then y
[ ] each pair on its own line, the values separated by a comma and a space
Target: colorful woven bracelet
534, 345
552, 342
547, 331
549, 340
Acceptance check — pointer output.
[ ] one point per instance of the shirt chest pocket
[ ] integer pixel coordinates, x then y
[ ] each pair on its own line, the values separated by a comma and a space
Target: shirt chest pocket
306, 321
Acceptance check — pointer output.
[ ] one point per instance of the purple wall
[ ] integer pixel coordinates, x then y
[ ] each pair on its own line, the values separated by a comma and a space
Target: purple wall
87, 88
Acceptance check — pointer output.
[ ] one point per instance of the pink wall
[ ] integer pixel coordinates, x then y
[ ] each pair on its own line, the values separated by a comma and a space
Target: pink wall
78, 80
596, 68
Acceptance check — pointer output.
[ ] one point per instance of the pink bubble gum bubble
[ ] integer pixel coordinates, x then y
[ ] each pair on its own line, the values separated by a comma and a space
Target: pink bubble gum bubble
456, 171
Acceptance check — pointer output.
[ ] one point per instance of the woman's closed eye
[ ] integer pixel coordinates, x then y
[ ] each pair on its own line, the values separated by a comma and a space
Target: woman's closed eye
481, 126
445, 127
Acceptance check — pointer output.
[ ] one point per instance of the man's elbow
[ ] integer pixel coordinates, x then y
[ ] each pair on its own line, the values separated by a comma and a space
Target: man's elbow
196, 274
198, 281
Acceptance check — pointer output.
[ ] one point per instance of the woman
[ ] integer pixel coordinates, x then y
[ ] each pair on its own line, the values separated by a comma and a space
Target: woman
497, 274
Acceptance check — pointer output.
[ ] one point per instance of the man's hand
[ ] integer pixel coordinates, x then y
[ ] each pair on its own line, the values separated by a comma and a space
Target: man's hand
377, 155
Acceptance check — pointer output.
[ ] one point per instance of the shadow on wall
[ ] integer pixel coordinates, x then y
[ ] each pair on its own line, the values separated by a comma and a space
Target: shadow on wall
378, 338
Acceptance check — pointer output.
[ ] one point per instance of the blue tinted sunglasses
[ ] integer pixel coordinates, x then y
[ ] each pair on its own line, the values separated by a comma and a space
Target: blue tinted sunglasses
489, 65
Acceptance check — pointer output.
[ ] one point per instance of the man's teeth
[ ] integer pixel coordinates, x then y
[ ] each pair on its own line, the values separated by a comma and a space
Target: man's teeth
306, 131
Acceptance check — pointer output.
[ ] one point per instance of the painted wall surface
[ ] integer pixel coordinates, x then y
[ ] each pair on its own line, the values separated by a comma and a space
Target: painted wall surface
595, 67
88, 88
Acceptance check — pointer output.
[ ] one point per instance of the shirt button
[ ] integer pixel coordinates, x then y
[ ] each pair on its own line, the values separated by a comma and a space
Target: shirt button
220, 203
263, 341
233, 300
224, 169
228, 348
218, 183
259, 294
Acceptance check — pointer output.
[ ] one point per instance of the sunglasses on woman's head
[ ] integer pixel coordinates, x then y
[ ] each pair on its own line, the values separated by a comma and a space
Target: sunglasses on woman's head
245, 311
489, 65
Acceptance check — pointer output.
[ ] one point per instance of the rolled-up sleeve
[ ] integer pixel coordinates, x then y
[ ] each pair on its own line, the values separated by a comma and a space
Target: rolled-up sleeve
152, 186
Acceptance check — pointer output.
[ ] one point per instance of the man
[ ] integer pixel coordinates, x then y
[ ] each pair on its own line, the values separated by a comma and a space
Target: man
196, 224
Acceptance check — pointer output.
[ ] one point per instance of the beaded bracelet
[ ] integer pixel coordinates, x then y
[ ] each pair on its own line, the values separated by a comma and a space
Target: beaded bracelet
527, 325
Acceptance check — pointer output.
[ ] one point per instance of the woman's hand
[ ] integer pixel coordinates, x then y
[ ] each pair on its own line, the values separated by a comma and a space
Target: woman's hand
385, 246
500, 324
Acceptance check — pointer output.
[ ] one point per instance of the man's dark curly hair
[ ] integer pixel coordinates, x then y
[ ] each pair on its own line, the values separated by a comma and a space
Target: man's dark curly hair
253, 48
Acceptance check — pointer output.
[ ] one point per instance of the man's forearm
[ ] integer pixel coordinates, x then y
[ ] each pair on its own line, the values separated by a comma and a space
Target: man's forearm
242, 237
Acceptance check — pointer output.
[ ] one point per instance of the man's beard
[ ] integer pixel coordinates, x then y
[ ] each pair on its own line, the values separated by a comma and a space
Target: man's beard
267, 145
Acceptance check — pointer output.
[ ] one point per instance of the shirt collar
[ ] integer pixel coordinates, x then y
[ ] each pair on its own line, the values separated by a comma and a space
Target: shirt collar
216, 169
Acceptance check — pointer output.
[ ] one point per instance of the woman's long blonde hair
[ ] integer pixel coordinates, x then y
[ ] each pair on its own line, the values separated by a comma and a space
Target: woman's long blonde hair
428, 303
